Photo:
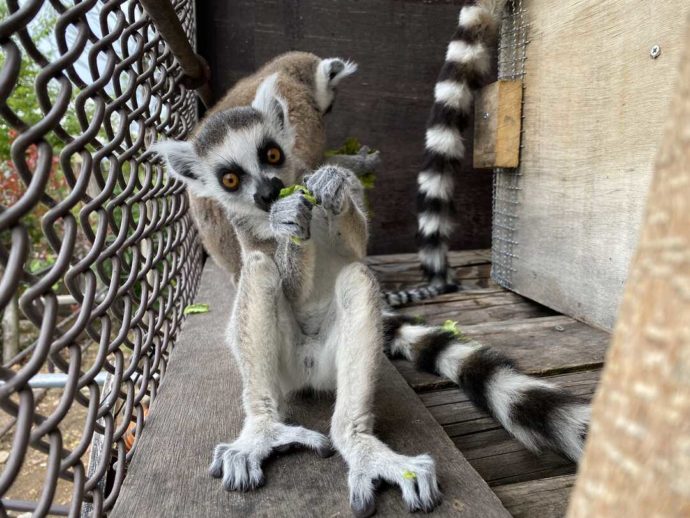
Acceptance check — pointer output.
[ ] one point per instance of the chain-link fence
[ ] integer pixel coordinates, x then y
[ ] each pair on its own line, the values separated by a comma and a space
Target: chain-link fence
98, 254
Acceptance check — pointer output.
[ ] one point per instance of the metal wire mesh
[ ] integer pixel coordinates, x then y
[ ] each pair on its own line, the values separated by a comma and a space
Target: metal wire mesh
512, 49
96, 245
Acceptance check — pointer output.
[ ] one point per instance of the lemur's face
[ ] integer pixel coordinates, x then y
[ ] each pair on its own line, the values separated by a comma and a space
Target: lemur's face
241, 157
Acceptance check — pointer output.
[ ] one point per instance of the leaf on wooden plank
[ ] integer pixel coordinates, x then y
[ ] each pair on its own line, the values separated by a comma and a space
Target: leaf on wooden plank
193, 309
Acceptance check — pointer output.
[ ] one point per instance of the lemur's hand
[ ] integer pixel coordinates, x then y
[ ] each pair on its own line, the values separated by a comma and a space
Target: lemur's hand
330, 186
291, 217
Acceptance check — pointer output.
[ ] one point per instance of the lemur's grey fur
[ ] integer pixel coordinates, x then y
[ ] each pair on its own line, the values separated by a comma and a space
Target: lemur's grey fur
308, 313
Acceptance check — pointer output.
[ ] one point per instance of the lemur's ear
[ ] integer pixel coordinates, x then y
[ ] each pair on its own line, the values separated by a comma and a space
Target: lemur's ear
329, 73
268, 102
181, 160
334, 70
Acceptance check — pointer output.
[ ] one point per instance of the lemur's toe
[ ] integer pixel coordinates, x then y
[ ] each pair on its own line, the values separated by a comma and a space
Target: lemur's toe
363, 508
216, 467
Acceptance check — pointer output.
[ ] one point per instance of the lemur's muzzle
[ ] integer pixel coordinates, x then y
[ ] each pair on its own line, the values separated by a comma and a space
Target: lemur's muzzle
267, 192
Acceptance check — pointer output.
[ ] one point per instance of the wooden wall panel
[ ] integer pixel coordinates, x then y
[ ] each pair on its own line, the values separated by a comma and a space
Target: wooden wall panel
399, 46
594, 107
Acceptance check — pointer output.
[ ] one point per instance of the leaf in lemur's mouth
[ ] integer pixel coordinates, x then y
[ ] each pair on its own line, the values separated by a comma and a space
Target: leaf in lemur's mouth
287, 191
193, 309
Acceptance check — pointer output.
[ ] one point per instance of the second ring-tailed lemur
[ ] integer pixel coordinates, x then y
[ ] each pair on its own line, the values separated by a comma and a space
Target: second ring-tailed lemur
308, 313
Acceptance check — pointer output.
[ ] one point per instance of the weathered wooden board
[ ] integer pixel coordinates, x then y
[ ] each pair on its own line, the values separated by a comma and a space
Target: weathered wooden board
594, 106
399, 47
541, 346
199, 405
497, 123
545, 498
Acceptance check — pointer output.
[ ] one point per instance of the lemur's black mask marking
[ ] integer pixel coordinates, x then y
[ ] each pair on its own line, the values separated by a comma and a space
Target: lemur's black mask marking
267, 192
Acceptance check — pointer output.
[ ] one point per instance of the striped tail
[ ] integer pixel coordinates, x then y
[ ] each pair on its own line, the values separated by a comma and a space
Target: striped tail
537, 413
412, 295
467, 65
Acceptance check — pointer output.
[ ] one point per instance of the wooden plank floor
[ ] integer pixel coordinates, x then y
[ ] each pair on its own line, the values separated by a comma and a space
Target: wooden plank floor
543, 342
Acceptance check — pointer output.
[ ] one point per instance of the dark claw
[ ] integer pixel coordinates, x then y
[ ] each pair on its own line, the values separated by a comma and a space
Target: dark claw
216, 470
364, 509
325, 451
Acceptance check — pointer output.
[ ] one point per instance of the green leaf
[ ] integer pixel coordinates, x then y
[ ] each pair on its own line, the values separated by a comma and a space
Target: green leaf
409, 475
367, 180
193, 309
287, 191
351, 147
451, 326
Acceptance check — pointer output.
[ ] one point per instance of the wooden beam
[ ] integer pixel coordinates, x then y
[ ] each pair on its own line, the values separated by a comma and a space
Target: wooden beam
637, 456
497, 122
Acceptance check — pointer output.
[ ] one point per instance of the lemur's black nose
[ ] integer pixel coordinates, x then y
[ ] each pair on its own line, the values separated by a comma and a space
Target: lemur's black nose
267, 192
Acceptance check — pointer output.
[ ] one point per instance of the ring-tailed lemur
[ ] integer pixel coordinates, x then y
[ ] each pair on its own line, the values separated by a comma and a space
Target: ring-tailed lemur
308, 313
308, 85
467, 65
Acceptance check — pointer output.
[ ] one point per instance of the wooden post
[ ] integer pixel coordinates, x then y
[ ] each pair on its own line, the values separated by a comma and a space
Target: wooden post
637, 459
497, 123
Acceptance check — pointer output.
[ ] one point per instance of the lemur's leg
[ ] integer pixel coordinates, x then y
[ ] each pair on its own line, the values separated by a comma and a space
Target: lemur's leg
357, 338
258, 342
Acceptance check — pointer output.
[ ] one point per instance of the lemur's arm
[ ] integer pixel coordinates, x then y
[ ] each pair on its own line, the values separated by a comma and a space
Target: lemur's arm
365, 161
290, 221
340, 194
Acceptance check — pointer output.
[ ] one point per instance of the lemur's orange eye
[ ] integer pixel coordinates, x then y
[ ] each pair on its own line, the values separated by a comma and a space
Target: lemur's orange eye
231, 181
273, 155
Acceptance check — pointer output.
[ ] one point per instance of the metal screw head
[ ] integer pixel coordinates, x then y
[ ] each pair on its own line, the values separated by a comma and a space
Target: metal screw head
655, 51
485, 115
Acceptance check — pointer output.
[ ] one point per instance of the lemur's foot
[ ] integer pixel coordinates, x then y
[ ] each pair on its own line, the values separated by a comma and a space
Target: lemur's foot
329, 186
374, 462
239, 462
